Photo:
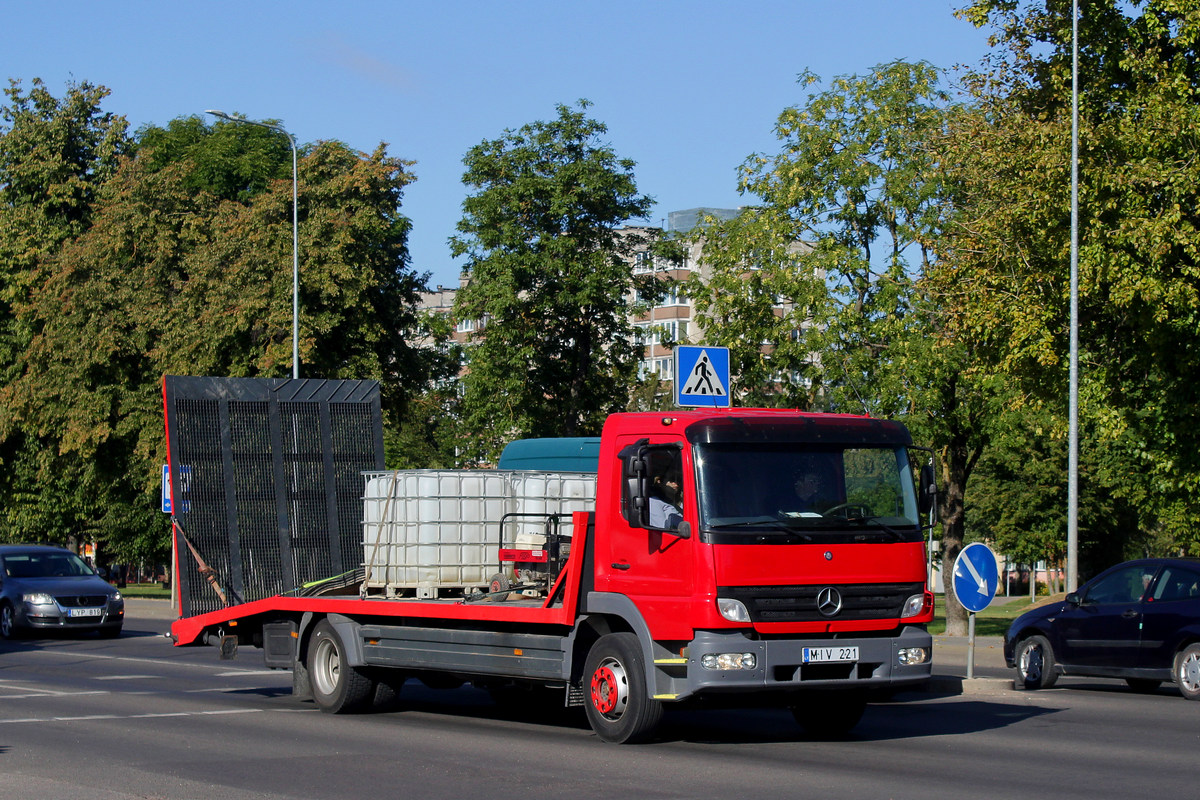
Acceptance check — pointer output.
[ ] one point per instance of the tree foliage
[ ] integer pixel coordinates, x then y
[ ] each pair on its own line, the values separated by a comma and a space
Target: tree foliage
550, 280
185, 267
849, 321
1139, 290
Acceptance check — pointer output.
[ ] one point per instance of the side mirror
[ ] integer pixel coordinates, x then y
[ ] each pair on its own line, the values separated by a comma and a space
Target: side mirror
637, 484
1074, 599
928, 491
684, 531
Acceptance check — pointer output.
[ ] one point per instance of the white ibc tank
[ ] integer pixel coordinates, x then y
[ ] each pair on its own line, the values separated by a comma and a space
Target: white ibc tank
441, 529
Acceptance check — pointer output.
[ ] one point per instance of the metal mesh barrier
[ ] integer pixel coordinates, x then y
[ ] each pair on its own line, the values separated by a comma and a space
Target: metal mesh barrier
266, 482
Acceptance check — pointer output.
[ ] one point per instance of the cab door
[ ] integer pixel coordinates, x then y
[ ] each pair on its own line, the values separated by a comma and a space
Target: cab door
649, 561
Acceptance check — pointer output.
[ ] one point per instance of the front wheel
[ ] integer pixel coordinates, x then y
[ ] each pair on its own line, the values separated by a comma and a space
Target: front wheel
337, 687
1035, 663
8, 622
619, 708
1187, 671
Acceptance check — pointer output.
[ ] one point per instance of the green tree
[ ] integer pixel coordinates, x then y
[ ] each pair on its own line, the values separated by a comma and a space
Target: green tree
181, 273
550, 280
856, 180
1139, 292
55, 154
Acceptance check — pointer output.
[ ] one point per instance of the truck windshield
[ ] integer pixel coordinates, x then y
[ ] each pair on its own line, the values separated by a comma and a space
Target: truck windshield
809, 493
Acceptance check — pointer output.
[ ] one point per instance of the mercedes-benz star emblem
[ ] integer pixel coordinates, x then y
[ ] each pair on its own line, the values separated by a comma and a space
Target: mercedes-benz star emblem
829, 601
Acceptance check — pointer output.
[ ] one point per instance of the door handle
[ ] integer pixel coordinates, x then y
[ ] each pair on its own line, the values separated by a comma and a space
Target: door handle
1130, 614
620, 566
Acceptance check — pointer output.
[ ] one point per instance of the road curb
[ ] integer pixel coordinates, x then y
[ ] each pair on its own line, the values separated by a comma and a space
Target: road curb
954, 685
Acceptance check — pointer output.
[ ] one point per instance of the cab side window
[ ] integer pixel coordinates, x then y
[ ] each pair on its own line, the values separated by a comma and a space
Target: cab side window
652, 481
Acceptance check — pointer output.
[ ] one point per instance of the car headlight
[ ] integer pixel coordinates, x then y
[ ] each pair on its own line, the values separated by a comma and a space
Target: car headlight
115, 597
38, 599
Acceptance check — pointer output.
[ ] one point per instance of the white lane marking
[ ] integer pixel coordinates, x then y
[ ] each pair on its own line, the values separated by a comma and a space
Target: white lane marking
133, 716
242, 673
46, 693
125, 677
157, 661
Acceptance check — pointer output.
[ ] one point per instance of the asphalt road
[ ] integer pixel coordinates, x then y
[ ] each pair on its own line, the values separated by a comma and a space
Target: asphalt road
138, 718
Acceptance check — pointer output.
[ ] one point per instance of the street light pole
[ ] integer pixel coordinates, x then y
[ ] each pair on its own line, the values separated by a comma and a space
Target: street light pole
295, 233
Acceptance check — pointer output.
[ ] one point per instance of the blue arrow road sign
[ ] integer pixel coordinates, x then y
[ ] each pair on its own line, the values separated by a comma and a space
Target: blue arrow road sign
702, 376
975, 576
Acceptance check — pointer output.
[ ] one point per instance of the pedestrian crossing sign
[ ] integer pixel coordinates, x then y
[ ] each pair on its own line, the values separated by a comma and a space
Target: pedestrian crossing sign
702, 377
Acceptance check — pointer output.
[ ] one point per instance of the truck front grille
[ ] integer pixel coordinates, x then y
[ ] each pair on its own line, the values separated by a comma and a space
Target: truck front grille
800, 603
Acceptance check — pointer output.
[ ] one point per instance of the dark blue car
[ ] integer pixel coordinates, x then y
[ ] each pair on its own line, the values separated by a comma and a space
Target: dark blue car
49, 588
1139, 621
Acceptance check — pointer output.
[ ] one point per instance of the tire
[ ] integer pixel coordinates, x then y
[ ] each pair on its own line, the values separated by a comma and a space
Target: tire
830, 715
337, 687
619, 708
9, 629
1187, 671
387, 691
1035, 663
1143, 685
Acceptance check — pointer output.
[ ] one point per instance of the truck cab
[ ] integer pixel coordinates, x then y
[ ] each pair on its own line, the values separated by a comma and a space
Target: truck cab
796, 561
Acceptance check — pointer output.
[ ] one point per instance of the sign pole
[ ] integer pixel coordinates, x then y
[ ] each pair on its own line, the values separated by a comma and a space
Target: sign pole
970, 645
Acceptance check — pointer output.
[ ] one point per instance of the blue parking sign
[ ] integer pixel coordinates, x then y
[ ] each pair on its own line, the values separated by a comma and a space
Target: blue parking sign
702, 377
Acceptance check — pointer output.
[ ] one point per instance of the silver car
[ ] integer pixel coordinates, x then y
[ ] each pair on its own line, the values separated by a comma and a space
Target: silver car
49, 588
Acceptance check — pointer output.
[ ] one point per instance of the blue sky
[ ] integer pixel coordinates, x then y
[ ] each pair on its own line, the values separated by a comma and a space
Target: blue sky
688, 89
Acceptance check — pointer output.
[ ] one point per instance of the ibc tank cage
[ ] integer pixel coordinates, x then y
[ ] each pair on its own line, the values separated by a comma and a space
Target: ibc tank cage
266, 482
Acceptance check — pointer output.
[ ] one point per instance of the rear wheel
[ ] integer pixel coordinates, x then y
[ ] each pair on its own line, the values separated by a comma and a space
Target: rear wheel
619, 708
1035, 663
1187, 671
830, 715
337, 687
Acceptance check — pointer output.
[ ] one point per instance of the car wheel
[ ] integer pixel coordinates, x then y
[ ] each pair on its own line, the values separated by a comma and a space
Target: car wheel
1144, 685
8, 622
1035, 663
1187, 671
337, 687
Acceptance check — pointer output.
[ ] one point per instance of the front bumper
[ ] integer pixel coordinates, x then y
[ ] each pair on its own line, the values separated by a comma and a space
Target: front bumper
779, 664
55, 617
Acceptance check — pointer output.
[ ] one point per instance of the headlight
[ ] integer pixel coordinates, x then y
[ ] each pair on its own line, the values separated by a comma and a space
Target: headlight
115, 597
732, 610
913, 606
38, 599
908, 656
729, 661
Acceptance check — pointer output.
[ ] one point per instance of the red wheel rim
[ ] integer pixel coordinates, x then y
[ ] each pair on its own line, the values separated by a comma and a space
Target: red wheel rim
604, 690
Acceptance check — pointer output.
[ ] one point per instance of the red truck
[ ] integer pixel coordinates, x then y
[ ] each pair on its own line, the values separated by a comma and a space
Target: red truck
732, 556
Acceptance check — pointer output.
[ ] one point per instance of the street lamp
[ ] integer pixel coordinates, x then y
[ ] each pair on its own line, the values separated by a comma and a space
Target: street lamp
295, 234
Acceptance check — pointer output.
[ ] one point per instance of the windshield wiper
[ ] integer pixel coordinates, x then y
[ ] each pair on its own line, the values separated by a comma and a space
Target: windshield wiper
769, 522
883, 526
